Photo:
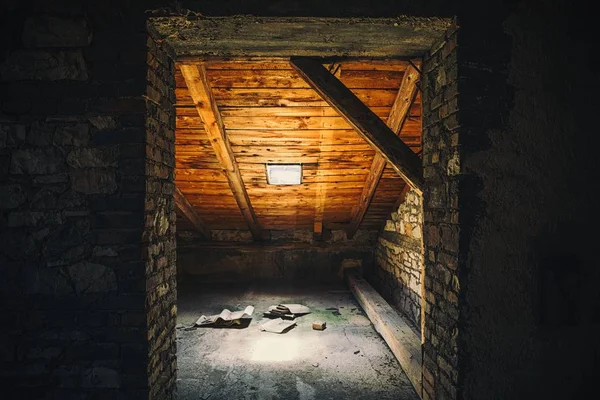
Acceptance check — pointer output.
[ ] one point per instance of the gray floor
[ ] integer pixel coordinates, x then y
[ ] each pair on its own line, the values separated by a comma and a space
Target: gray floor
348, 360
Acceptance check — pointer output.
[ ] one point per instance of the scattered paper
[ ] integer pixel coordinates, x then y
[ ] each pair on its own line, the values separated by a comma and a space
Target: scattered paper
226, 318
286, 311
277, 325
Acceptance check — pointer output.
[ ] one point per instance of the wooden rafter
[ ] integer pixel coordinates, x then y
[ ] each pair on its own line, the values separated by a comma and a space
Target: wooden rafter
366, 123
400, 108
197, 82
318, 230
322, 186
189, 212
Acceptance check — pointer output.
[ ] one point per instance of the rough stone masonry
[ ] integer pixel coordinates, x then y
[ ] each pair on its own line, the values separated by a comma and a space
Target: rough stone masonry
399, 258
87, 224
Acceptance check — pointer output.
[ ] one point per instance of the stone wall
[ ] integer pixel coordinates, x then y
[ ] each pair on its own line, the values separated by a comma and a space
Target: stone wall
441, 163
289, 256
86, 249
399, 259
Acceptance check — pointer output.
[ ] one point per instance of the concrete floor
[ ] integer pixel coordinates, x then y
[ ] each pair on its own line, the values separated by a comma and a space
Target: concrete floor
348, 360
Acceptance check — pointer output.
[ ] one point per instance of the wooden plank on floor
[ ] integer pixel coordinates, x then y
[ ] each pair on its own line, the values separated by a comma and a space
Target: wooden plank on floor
402, 340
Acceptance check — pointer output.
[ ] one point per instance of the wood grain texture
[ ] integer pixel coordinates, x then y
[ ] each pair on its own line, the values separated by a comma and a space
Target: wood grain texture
189, 212
401, 339
197, 82
335, 159
395, 121
247, 36
288, 78
364, 121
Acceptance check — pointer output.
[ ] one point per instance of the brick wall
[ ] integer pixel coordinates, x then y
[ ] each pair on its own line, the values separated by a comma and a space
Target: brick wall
441, 162
160, 221
399, 259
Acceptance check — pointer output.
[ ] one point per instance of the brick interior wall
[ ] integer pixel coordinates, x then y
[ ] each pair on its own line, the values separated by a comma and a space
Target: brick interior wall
441, 163
399, 259
160, 222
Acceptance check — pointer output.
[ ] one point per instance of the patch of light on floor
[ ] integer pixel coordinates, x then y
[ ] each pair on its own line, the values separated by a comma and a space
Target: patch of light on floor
274, 348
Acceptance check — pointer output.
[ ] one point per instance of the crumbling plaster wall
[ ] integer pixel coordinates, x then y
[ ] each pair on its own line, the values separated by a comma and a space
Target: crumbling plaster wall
527, 110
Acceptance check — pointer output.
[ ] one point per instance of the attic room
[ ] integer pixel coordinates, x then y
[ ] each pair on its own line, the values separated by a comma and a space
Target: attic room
283, 196
247, 199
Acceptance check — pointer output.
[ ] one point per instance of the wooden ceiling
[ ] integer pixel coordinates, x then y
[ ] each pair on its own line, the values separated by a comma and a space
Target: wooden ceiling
270, 114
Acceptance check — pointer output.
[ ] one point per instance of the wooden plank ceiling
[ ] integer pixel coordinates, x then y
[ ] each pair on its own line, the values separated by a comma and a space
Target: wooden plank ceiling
271, 115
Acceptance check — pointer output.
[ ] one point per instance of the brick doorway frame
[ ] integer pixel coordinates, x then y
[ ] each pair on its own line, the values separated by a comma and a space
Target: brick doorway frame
441, 163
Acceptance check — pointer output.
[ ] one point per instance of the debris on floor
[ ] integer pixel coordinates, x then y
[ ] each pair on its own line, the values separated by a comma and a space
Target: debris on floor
227, 318
277, 326
336, 311
286, 311
319, 325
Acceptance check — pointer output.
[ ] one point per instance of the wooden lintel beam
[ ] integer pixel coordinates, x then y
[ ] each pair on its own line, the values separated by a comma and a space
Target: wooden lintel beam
404, 99
368, 125
261, 36
197, 82
189, 212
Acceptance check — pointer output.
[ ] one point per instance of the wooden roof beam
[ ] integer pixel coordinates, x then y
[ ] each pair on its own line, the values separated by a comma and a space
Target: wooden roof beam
260, 36
189, 212
404, 99
368, 125
197, 82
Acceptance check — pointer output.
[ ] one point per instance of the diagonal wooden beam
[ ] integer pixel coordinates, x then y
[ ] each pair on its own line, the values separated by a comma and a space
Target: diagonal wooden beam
197, 82
404, 100
368, 125
189, 212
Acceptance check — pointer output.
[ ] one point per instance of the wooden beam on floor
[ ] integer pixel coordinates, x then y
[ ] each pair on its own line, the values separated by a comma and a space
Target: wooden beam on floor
404, 99
368, 125
197, 83
401, 339
189, 212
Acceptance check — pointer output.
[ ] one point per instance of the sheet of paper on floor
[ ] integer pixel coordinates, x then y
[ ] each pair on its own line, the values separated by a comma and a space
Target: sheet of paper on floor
287, 311
277, 325
226, 317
